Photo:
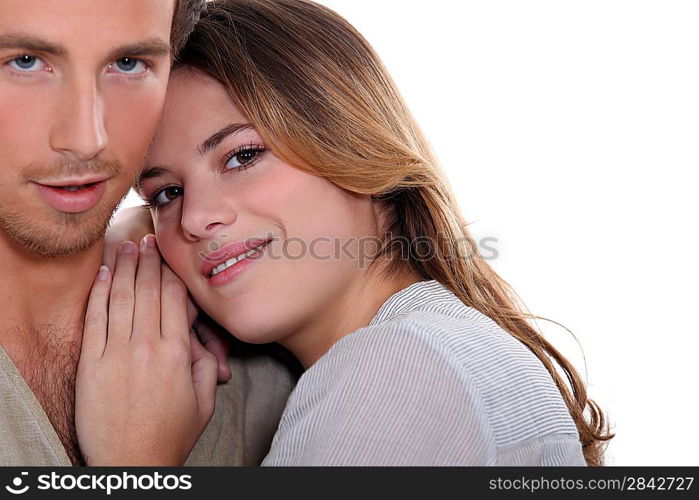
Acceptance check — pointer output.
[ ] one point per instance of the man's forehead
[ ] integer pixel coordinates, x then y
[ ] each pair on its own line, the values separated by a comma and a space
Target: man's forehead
88, 25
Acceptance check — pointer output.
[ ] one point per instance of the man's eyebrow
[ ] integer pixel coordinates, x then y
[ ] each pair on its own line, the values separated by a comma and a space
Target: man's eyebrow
154, 47
30, 44
219, 136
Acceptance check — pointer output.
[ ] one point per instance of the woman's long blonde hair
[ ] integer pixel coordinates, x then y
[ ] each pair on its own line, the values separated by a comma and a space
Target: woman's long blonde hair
321, 98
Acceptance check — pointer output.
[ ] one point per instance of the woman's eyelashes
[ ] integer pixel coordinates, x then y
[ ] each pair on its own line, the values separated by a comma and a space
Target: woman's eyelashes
163, 196
243, 157
238, 159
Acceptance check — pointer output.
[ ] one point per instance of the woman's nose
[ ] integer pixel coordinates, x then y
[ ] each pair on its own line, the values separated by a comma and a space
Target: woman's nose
203, 214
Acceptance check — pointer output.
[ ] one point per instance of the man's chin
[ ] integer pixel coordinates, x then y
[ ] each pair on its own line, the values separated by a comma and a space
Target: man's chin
69, 234
69, 242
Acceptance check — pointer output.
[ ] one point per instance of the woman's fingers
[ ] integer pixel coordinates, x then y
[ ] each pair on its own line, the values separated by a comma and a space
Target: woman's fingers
109, 253
173, 307
96, 316
204, 378
192, 312
146, 321
143, 402
128, 224
121, 301
215, 339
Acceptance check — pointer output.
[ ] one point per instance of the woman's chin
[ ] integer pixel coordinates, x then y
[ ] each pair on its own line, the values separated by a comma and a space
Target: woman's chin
252, 330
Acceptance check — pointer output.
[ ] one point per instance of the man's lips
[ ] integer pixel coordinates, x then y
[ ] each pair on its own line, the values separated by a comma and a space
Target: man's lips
72, 195
214, 259
72, 181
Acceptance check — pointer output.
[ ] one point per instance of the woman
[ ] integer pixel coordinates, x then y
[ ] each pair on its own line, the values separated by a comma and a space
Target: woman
293, 194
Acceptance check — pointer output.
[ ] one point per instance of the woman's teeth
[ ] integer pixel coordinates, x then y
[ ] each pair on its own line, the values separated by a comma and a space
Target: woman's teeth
235, 260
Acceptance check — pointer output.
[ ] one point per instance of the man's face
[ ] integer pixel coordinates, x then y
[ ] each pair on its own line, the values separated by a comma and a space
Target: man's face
82, 84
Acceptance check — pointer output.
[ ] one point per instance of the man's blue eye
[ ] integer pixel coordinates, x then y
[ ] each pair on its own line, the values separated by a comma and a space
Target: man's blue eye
26, 63
129, 65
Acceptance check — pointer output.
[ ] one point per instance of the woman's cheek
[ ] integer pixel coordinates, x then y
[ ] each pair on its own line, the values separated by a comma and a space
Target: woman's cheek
171, 251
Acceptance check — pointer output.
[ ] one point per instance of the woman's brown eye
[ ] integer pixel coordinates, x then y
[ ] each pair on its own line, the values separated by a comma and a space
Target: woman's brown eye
242, 158
172, 193
245, 156
165, 196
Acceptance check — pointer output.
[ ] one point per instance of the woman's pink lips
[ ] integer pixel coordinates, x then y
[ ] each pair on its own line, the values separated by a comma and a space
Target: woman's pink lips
214, 259
72, 202
225, 277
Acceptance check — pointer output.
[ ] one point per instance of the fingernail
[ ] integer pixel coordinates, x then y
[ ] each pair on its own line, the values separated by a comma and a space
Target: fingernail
146, 243
103, 273
127, 247
150, 240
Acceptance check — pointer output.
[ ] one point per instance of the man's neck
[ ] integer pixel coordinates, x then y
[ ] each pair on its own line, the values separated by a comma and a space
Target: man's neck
44, 294
42, 309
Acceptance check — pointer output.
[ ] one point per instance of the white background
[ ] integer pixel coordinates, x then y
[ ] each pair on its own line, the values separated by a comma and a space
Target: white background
569, 132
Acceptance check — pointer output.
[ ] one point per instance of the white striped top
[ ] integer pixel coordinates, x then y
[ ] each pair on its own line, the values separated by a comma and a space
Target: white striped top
430, 381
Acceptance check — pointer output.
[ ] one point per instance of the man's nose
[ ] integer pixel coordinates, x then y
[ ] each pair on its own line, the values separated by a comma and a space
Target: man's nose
79, 129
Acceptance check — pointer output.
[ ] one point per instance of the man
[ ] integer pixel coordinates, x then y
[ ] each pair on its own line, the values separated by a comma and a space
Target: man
82, 84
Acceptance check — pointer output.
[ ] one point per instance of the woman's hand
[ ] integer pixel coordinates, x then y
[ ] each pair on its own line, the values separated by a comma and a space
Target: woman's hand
145, 386
133, 224
216, 340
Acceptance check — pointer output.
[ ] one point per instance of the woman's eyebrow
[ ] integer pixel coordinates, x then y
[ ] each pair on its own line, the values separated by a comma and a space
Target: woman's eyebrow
219, 136
203, 148
149, 173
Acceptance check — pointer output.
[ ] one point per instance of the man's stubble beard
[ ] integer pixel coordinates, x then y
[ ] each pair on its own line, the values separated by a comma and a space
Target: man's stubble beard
61, 234
67, 234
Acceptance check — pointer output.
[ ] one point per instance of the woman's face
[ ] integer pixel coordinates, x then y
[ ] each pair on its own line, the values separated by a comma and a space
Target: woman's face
214, 184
